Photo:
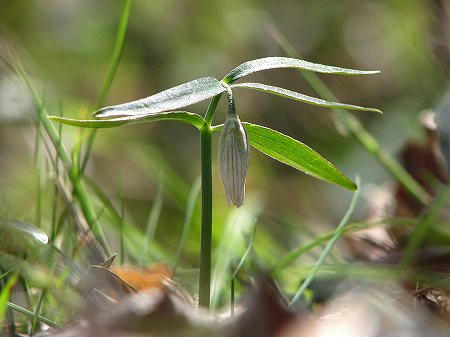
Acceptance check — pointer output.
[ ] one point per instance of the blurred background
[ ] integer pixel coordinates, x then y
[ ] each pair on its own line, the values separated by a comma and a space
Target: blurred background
150, 168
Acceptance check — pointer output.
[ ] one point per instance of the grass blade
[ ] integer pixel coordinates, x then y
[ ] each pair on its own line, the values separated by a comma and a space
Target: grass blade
115, 59
426, 222
339, 231
55, 187
117, 52
38, 173
229, 246
239, 266
290, 258
153, 217
32, 314
4, 296
188, 215
132, 234
300, 97
6, 273
79, 191
151, 160
122, 224
38, 309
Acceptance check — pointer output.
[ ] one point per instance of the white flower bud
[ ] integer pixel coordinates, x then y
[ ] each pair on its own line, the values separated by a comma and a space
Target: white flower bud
233, 159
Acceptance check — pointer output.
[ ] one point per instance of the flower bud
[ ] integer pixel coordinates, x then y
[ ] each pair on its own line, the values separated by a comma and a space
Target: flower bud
233, 158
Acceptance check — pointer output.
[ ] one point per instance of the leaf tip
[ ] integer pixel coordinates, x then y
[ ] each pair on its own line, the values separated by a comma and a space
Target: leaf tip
378, 111
352, 186
99, 112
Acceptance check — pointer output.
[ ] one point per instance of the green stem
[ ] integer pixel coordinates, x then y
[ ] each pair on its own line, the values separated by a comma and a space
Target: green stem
206, 229
204, 286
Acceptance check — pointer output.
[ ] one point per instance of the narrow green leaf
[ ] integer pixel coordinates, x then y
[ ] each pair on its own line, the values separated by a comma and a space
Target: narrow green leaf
300, 97
131, 234
239, 266
188, 215
153, 218
286, 62
30, 230
292, 256
296, 154
323, 256
426, 222
181, 116
117, 52
4, 295
49, 128
32, 314
170, 99
115, 59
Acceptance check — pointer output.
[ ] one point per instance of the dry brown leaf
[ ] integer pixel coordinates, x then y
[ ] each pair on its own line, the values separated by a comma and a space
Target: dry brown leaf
143, 279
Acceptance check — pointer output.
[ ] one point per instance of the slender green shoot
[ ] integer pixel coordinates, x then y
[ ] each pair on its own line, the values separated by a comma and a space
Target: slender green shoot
153, 218
4, 296
292, 256
122, 225
426, 221
131, 233
115, 59
206, 226
38, 173
7, 272
55, 187
32, 314
337, 234
188, 214
79, 191
38, 309
239, 266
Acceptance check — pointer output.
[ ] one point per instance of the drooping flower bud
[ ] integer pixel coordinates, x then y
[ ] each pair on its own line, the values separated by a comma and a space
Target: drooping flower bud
233, 156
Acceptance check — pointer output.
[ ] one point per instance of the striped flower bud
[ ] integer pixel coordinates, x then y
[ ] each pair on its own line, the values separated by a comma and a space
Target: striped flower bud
233, 157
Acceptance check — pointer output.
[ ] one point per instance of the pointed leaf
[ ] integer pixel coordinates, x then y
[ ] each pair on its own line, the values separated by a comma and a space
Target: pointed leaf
296, 154
300, 97
170, 99
286, 62
181, 116
15, 226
